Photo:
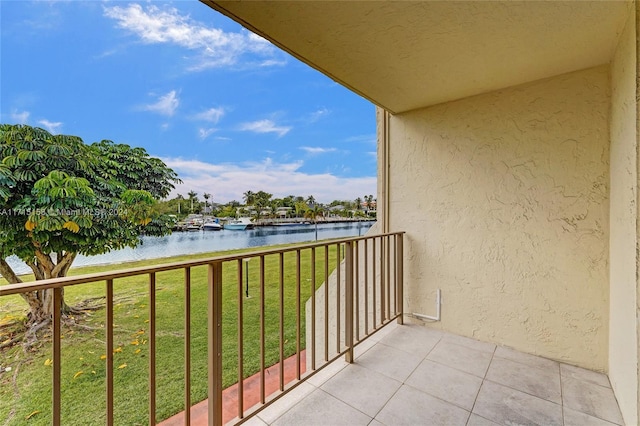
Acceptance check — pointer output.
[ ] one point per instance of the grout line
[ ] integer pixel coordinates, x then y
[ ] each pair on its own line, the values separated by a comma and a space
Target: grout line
483, 380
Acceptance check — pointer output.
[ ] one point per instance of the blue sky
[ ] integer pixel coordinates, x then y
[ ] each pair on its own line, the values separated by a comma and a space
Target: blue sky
223, 107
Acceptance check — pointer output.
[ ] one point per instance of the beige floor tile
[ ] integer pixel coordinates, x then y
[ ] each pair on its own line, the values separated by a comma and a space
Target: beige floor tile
327, 372
476, 420
594, 400
504, 405
446, 383
389, 361
410, 406
461, 358
254, 421
544, 384
528, 359
287, 402
361, 388
320, 408
469, 342
413, 339
585, 375
576, 418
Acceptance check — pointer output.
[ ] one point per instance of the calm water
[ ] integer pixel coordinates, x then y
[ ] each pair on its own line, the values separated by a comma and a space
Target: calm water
206, 241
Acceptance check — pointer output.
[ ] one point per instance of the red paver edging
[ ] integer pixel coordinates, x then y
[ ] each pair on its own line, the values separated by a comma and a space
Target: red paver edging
200, 414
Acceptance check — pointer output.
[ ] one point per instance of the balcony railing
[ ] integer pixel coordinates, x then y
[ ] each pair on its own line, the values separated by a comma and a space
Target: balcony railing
352, 288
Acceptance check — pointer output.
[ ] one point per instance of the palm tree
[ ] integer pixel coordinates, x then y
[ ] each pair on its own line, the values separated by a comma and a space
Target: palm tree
261, 200
313, 214
358, 203
180, 198
192, 196
311, 201
249, 198
206, 201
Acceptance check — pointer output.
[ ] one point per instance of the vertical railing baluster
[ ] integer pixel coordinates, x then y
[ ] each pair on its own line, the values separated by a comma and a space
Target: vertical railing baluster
338, 262
240, 328
187, 346
281, 270
313, 308
400, 279
326, 303
298, 334
262, 331
395, 273
388, 278
383, 315
366, 288
357, 291
57, 361
348, 300
214, 343
373, 282
109, 344
152, 348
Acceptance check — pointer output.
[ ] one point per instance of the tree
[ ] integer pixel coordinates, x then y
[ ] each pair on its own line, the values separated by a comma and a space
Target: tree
249, 198
193, 197
60, 197
300, 208
180, 197
313, 214
206, 201
261, 201
311, 200
358, 203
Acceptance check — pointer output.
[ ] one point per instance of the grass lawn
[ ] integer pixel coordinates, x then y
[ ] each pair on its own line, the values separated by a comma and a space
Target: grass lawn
25, 391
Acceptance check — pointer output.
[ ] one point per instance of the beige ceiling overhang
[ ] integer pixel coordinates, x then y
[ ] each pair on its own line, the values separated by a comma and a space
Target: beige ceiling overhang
404, 55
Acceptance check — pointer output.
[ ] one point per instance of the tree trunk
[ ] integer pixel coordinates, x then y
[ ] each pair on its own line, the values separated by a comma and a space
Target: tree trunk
41, 301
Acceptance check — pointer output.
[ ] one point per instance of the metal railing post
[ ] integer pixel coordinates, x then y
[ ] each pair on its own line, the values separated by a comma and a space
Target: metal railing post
109, 344
214, 319
152, 349
400, 279
57, 361
348, 308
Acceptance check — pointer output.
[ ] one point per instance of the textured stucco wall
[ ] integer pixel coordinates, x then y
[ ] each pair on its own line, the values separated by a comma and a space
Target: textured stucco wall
623, 326
505, 200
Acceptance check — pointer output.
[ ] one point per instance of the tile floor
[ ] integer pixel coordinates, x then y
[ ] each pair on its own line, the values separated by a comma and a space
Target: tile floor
411, 375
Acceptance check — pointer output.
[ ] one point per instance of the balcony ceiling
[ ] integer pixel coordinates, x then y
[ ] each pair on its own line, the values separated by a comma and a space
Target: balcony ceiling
405, 55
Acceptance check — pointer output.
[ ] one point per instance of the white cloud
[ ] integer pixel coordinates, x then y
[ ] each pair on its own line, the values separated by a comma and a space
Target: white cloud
265, 126
229, 181
205, 133
315, 150
52, 127
166, 105
363, 138
212, 114
317, 115
215, 47
20, 117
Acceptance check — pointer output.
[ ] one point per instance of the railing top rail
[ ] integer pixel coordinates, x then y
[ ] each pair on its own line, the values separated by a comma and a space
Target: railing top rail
9, 289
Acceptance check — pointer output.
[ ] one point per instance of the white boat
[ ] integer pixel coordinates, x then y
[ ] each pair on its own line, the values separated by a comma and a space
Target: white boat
211, 226
239, 224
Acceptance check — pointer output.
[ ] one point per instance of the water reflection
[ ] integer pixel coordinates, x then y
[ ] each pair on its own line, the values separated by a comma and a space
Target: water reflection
180, 243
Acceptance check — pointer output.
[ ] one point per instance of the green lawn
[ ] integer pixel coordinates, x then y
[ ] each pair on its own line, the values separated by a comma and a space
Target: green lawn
25, 391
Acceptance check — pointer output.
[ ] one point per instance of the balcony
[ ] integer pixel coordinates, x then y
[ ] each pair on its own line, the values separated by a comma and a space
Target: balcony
352, 362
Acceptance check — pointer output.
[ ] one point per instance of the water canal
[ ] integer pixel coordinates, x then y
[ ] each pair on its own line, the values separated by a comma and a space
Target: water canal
180, 243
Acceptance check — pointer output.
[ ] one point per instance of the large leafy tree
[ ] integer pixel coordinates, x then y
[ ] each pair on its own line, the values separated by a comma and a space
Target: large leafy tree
60, 197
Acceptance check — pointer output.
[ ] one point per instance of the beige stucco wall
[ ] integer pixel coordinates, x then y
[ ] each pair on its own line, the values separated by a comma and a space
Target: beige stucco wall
504, 197
623, 326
